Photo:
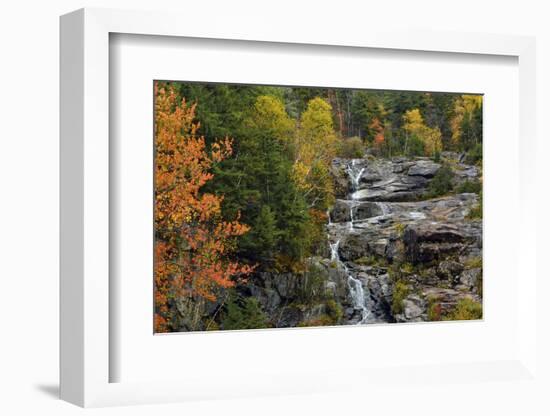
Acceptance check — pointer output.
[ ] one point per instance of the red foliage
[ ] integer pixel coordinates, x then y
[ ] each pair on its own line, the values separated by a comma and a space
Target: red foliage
193, 243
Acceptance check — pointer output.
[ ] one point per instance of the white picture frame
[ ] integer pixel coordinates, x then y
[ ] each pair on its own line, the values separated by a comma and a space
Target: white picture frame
85, 220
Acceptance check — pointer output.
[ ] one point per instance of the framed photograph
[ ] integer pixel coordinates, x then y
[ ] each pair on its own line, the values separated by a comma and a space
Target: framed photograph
286, 213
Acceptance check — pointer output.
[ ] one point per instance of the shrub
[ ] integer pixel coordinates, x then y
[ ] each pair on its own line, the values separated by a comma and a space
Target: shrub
371, 261
407, 268
400, 292
334, 310
434, 310
473, 187
475, 155
351, 148
244, 314
442, 182
466, 309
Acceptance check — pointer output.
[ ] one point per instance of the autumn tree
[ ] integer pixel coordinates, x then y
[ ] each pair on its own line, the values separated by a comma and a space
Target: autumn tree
378, 129
466, 121
315, 147
414, 127
193, 243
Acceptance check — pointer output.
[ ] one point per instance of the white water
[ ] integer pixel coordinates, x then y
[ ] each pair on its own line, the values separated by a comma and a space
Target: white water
355, 286
356, 290
354, 175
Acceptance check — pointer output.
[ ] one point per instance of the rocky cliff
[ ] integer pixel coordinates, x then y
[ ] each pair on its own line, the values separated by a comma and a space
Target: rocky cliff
394, 254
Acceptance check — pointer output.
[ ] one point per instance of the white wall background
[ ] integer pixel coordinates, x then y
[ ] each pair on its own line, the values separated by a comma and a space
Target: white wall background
29, 202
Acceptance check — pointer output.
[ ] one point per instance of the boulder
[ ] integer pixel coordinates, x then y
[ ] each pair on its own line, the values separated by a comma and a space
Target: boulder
425, 168
414, 309
340, 211
380, 291
450, 270
427, 241
355, 246
470, 279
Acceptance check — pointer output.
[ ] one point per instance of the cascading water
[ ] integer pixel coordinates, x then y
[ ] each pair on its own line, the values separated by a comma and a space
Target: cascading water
354, 175
355, 286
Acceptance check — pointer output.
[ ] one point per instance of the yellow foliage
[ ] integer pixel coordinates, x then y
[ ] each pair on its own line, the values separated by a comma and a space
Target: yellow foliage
431, 137
315, 146
465, 106
270, 115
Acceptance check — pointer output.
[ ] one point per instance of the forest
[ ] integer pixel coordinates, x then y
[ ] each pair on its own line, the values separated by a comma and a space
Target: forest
270, 203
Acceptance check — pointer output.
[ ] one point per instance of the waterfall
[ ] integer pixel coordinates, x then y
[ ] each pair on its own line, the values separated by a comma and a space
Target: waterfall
334, 256
355, 286
354, 175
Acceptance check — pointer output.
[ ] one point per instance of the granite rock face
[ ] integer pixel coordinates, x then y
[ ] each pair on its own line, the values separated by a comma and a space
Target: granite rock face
389, 232
393, 254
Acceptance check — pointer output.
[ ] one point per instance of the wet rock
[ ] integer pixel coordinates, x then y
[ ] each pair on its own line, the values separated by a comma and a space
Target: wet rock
341, 211
355, 246
380, 293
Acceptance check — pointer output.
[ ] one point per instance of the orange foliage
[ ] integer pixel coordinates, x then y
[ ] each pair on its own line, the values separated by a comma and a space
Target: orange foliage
192, 241
378, 130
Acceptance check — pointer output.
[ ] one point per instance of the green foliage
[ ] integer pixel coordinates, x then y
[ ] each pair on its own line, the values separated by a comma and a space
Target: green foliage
351, 148
264, 235
414, 147
284, 138
469, 187
372, 260
442, 182
243, 313
257, 185
475, 155
465, 309
407, 268
400, 291
335, 311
